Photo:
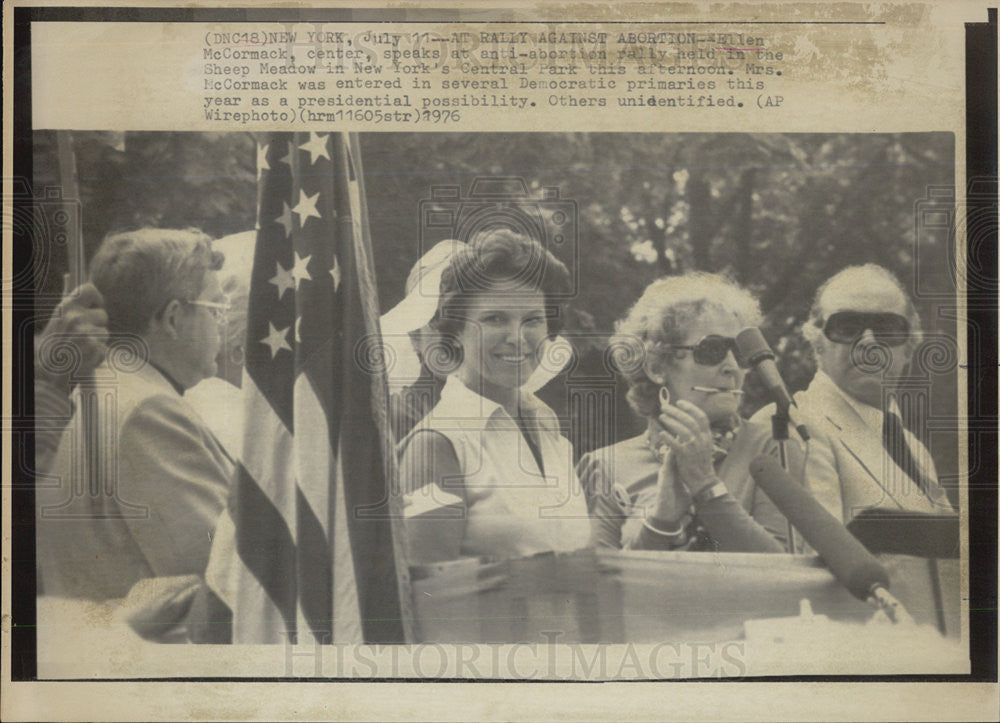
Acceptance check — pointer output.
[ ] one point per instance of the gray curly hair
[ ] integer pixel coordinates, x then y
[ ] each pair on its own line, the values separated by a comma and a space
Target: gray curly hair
663, 316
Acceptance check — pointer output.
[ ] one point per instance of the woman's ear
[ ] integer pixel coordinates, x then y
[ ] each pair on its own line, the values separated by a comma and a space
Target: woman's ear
655, 367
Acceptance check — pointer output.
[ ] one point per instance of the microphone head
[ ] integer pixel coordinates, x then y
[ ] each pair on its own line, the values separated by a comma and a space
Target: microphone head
752, 346
864, 576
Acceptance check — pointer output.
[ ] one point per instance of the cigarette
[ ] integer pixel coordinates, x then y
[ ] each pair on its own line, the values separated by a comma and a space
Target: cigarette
716, 390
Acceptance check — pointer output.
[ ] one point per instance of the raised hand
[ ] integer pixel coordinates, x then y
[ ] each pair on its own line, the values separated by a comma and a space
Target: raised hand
690, 439
74, 340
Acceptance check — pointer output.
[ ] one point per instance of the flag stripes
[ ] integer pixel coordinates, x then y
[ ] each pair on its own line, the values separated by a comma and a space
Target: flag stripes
302, 562
267, 548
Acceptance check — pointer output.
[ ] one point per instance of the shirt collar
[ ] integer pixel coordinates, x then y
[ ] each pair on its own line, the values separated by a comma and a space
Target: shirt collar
872, 416
173, 382
460, 402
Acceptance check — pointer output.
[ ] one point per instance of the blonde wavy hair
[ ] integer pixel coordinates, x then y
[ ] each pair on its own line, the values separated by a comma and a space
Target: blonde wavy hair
664, 316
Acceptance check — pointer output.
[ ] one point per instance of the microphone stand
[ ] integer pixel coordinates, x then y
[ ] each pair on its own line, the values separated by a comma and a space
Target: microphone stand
779, 433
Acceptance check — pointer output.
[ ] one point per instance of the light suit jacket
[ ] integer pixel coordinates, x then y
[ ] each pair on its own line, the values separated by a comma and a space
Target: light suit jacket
848, 469
148, 509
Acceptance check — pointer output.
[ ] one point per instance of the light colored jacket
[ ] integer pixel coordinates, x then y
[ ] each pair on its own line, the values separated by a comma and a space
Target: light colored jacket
149, 510
848, 469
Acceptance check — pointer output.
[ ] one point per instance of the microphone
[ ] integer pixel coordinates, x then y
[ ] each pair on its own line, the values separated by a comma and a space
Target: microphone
847, 558
756, 353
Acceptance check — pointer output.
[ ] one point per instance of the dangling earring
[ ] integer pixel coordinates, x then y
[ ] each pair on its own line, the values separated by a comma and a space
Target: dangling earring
654, 440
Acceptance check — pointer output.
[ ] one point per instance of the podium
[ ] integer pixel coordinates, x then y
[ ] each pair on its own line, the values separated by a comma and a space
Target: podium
598, 596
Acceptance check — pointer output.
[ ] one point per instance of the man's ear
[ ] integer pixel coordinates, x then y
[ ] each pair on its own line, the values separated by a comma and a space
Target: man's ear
170, 318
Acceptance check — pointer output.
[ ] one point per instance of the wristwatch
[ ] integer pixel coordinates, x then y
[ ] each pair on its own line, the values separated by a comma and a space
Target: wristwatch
709, 492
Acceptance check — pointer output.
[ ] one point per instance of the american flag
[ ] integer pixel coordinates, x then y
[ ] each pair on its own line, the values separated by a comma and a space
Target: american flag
306, 548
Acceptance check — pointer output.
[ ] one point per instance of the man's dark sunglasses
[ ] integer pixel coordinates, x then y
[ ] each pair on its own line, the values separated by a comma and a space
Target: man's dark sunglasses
846, 327
712, 349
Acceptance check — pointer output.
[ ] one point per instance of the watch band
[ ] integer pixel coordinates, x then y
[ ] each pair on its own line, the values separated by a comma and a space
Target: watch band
709, 493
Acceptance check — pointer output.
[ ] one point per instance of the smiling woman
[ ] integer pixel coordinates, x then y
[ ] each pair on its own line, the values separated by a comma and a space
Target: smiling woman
685, 483
486, 472
501, 337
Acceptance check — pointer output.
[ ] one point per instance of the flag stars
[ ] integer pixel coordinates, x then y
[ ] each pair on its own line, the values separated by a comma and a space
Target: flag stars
300, 272
283, 279
306, 207
335, 273
262, 164
276, 339
285, 219
316, 147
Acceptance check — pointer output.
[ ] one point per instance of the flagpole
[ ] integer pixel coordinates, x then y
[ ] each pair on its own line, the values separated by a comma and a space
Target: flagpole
77, 273
380, 392
76, 260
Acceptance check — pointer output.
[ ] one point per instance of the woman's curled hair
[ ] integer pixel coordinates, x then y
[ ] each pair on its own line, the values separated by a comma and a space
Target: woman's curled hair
493, 259
662, 317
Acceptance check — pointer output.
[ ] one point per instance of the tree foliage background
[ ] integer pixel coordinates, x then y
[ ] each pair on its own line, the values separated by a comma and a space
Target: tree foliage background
778, 212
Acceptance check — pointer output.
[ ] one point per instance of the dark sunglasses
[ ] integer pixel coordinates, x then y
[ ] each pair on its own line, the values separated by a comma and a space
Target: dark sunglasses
712, 349
846, 327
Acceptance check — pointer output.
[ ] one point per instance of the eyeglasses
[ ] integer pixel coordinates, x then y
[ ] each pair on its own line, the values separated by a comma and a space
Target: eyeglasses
712, 350
846, 327
216, 309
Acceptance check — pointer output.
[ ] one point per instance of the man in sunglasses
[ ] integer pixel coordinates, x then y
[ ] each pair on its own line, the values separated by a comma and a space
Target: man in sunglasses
863, 330
139, 479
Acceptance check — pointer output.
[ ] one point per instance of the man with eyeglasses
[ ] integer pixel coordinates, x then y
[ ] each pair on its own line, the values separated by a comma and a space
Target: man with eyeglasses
863, 330
139, 479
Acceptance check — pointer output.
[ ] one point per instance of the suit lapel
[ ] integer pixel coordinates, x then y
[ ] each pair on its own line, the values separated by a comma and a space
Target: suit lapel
857, 438
864, 445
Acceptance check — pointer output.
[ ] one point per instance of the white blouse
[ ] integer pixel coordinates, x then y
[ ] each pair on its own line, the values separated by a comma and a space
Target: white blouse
510, 508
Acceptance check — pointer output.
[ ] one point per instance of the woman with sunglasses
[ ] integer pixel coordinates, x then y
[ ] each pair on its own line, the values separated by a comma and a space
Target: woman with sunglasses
486, 472
684, 483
